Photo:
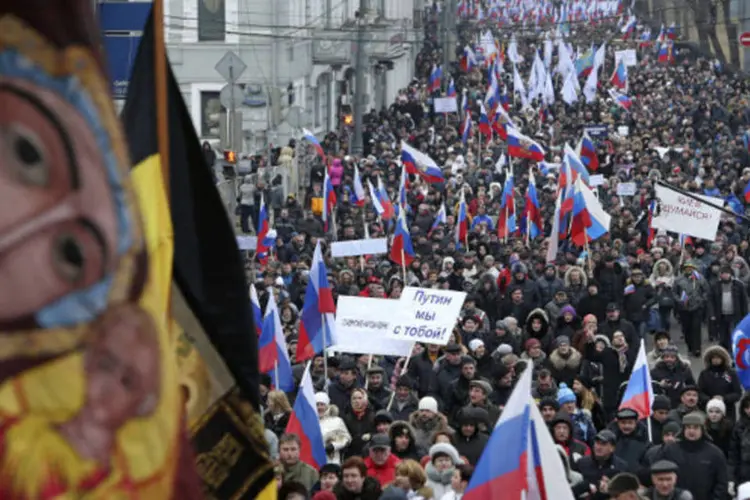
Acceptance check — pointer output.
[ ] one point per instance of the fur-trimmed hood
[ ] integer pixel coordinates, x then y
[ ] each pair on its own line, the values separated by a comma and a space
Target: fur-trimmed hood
559, 363
538, 313
395, 429
668, 274
716, 350
442, 423
584, 278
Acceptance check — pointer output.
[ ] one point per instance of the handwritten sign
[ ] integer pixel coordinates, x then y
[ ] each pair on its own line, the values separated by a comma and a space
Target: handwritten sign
426, 315
685, 215
362, 326
596, 180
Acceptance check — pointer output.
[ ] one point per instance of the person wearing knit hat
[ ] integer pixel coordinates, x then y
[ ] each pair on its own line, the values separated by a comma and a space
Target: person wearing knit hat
475, 344
444, 458
565, 395
718, 426
428, 404
548, 407
583, 427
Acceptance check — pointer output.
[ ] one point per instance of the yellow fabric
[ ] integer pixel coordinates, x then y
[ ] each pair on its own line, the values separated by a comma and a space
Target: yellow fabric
316, 205
269, 492
148, 184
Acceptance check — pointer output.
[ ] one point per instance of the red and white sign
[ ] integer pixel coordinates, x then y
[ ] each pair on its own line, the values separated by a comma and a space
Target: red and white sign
745, 39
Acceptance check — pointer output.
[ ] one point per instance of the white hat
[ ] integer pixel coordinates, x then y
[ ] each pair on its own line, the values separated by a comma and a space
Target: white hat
718, 404
475, 344
743, 491
428, 403
322, 397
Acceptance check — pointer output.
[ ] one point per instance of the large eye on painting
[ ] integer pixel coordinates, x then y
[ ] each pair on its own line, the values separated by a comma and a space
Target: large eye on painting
68, 258
26, 156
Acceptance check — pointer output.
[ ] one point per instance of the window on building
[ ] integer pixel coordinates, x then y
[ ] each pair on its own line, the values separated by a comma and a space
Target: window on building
211, 20
210, 114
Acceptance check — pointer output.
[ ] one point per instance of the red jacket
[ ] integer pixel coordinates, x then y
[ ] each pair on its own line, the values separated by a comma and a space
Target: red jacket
386, 473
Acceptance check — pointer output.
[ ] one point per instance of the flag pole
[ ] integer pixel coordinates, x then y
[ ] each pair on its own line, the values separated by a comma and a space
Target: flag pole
160, 76
403, 263
404, 371
649, 389
369, 365
325, 351
276, 374
367, 236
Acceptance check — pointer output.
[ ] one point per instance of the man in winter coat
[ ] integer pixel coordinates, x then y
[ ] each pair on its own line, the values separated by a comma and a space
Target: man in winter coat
549, 284
632, 438
688, 403
479, 391
703, 468
340, 391
664, 479
593, 303
501, 335
583, 427
727, 305
538, 327
428, 421
564, 362
617, 363
458, 393
421, 369
377, 391
601, 464
381, 463
561, 428
719, 380
692, 292
638, 296
671, 374
470, 440
405, 402
529, 287
616, 323
611, 279
448, 370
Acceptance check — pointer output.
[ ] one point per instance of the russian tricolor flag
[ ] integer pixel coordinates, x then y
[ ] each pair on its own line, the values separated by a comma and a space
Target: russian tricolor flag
452, 89
665, 53
273, 356
484, 123
375, 201
420, 164
746, 192
262, 245
440, 218
577, 168
257, 313
435, 79
671, 32
620, 76
534, 223
304, 423
329, 199
310, 137
621, 99
506, 221
520, 459
520, 146
587, 153
466, 129
500, 122
385, 202
639, 394
651, 230
629, 28
462, 221
590, 221
316, 318
358, 193
468, 60
402, 251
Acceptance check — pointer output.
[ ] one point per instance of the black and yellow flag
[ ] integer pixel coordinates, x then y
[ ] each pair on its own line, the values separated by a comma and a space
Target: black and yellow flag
197, 278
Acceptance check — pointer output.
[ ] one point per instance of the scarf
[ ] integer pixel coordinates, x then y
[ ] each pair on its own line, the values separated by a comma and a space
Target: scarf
622, 358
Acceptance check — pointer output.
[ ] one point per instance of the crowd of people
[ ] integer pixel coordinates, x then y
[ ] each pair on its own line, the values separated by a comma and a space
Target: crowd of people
576, 321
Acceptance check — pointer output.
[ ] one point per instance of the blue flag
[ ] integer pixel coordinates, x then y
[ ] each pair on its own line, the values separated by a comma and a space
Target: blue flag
741, 351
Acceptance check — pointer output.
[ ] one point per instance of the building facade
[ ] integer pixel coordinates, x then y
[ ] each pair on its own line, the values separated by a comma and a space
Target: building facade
300, 57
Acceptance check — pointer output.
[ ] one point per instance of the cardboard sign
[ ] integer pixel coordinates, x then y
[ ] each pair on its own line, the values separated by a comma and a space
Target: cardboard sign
596, 180
685, 215
353, 248
626, 189
445, 105
629, 57
426, 315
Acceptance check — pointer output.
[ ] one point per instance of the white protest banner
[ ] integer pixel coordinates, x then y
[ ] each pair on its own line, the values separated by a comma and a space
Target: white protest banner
596, 180
626, 189
352, 248
628, 55
247, 242
684, 215
362, 327
445, 105
623, 130
426, 315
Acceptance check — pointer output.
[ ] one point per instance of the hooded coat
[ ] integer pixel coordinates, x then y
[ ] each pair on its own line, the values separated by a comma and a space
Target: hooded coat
425, 430
543, 335
719, 380
412, 451
575, 291
335, 433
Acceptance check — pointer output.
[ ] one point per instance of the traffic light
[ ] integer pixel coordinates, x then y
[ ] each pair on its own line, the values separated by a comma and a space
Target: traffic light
230, 157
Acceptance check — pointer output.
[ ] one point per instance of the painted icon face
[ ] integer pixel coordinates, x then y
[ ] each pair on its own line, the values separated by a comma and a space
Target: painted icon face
58, 224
